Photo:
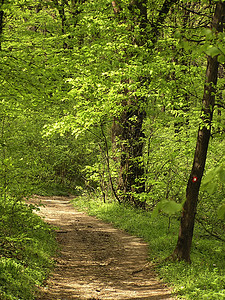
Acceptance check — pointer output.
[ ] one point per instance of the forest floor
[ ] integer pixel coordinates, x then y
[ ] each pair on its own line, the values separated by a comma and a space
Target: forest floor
95, 260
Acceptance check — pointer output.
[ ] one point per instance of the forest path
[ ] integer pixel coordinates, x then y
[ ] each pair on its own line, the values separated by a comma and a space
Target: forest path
96, 261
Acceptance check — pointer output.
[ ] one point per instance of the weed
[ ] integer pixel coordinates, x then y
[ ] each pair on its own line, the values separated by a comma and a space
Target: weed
26, 245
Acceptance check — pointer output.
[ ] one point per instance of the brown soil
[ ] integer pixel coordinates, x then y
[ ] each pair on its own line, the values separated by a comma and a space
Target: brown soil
96, 261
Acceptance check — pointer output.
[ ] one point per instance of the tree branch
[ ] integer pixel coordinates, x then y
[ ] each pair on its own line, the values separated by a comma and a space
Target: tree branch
215, 235
161, 19
193, 11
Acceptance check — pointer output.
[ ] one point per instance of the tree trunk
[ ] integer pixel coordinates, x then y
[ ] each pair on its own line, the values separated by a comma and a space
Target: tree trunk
129, 124
61, 10
183, 247
127, 128
131, 179
156, 26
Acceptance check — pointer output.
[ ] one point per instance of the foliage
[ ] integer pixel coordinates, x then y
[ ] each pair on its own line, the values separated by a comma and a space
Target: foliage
75, 74
203, 279
26, 247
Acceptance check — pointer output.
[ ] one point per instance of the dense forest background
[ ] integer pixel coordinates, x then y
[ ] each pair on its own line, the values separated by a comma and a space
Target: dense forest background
123, 100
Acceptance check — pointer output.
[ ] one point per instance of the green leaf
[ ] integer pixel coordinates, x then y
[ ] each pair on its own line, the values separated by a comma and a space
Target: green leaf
177, 34
210, 187
221, 212
212, 51
208, 178
221, 173
168, 207
221, 58
208, 33
156, 211
171, 207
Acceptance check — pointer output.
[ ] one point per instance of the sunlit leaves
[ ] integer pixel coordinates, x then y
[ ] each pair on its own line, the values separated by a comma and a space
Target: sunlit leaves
168, 207
221, 211
212, 182
80, 79
212, 51
218, 172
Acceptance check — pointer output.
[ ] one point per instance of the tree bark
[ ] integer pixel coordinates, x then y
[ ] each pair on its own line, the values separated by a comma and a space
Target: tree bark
131, 179
61, 10
156, 26
183, 247
129, 124
127, 128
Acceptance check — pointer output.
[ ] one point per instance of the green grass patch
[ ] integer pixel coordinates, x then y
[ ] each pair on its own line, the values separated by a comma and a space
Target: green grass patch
26, 247
203, 279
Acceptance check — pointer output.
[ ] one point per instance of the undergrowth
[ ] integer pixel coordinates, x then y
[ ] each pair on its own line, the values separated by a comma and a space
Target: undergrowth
204, 278
26, 245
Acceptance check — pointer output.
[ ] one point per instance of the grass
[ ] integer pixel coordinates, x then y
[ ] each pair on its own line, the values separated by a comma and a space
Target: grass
26, 247
203, 279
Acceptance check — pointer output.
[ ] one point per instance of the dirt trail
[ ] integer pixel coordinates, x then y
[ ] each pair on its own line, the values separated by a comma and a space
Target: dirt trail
96, 260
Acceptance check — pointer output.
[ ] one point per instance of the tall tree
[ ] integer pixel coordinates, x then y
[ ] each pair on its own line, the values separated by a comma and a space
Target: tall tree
129, 127
183, 247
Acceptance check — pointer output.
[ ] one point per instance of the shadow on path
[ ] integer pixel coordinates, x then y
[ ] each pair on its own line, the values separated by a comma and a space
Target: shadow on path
96, 261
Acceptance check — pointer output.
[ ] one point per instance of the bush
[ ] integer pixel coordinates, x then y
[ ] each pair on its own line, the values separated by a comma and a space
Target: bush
26, 245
